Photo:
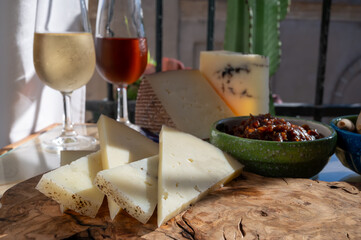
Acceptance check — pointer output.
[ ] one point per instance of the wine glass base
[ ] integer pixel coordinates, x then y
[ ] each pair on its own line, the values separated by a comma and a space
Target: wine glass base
77, 142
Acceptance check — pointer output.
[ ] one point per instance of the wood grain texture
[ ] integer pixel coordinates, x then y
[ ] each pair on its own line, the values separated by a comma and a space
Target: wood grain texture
249, 207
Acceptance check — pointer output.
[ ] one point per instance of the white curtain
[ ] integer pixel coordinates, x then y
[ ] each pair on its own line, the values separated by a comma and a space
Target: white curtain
26, 104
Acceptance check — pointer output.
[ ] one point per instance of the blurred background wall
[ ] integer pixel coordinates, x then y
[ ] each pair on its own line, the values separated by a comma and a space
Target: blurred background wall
184, 36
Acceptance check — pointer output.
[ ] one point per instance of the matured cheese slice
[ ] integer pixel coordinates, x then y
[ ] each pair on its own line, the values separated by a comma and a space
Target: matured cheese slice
241, 80
120, 144
72, 185
188, 169
189, 100
68, 156
132, 186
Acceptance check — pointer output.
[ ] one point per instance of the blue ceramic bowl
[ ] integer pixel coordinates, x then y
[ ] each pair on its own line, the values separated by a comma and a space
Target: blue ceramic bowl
348, 149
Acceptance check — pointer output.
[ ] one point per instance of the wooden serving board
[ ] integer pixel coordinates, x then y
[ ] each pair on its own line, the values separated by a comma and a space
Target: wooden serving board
249, 207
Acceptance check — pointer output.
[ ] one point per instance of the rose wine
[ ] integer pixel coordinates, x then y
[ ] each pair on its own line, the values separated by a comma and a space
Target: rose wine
64, 61
121, 60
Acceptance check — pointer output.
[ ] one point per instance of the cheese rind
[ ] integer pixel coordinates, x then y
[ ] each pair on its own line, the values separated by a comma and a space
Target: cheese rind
189, 100
132, 186
120, 145
149, 111
241, 80
72, 185
188, 169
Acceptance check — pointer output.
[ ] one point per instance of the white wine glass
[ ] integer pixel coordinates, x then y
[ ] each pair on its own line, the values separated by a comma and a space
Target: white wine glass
121, 47
64, 59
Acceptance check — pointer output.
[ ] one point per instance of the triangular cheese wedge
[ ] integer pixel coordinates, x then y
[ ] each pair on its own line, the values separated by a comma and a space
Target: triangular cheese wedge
189, 100
114, 208
120, 144
72, 185
188, 169
132, 186
69, 156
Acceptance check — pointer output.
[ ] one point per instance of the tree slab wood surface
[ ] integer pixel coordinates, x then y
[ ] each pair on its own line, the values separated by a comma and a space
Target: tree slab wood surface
249, 207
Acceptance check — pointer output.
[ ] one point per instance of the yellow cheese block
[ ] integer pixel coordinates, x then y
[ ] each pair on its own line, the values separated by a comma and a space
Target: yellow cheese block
241, 80
72, 185
188, 169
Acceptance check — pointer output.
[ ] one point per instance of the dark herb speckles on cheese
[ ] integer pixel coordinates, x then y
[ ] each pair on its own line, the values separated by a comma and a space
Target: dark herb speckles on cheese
110, 191
70, 200
133, 187
226, 76
229, 71
242, 80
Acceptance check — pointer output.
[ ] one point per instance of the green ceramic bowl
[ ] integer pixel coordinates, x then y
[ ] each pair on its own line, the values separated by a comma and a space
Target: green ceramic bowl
277, 159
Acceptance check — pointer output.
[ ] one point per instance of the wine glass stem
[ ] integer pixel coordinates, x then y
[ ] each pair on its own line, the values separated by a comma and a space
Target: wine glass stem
68, 129
122, 116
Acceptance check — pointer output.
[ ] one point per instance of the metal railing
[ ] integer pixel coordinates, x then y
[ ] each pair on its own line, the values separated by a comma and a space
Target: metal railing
318, 110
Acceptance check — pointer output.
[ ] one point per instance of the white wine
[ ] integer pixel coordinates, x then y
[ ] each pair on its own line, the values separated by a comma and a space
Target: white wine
64, 61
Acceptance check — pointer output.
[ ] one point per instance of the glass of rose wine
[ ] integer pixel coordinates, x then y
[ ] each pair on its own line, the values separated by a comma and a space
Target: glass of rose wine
64, 59
121, 47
